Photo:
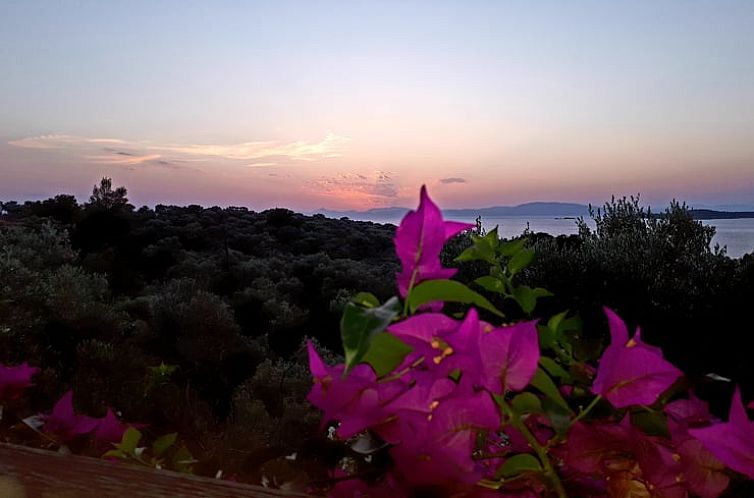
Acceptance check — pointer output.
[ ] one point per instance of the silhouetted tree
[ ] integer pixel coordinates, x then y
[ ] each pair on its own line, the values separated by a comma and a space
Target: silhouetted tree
63, 208
104, 197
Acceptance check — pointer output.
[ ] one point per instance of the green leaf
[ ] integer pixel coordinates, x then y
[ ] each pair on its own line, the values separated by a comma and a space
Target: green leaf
491, 284
385, 353
526, 297
651, 423
520, 260
448, 290
130, 441
183, 461
544, 383
359, 325
554, 322
483, 248
546, 337
560, 332
567, 326
559, 417
163, 444
163, 370
366, 300
115, 454
508, 249
554, 369
526, 403
518, 464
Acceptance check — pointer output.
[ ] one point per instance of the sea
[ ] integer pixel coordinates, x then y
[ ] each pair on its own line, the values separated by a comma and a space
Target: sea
736, 235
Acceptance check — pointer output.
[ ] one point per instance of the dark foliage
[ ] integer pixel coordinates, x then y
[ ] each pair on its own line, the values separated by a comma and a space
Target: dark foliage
192, 318
100, 295
659, 272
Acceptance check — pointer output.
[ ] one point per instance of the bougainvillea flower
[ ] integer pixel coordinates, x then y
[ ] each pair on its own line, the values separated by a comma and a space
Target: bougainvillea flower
630, 371
445, 344
509, 356
419, 240
424, 333
731, 442
423, 397
459, 350
703, 474
64, 424
422, 328
15, 380
412, 408
441, 451
109, 429
355, 401
689, 412
625, 459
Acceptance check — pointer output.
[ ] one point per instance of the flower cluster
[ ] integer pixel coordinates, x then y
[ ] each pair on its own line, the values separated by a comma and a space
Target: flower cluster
107, 437
15, 380
472, 408
431, 420
65, 425
62, 425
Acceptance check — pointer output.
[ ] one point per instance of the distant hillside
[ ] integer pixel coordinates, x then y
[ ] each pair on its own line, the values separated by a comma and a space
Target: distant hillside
528, 209
709, 214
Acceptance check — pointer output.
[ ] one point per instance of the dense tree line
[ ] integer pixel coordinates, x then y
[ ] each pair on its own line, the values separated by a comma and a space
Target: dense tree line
661, 273
102, 294
192, 318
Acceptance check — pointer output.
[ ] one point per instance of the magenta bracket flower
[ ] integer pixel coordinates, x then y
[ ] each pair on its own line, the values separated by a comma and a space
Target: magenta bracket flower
731, 442
355, 401
15, 380
510, 356
439, 450
631, 372
624, 458
109, 429
64, 424
418, 242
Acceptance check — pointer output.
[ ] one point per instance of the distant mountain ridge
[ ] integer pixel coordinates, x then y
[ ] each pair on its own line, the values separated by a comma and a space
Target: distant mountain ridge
556, 209
527, 209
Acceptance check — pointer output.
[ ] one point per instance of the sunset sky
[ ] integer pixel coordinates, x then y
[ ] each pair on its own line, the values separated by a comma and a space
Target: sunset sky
355, 104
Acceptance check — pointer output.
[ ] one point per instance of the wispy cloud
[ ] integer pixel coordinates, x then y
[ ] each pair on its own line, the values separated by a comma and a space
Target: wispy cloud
125, 158
330, 146
261, 165
452, 179
118, 151
375, 189
63, 142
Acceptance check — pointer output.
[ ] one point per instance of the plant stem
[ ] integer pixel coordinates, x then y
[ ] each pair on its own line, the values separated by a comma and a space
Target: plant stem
583, 413
398, 375
408, 291
540, 450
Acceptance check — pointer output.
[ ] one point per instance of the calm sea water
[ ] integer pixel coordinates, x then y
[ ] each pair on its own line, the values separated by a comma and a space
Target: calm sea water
736, 235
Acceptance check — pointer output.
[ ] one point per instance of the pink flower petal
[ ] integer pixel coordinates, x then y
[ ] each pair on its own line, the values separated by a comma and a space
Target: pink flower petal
419, 240
509, 356
15, 380
630, 371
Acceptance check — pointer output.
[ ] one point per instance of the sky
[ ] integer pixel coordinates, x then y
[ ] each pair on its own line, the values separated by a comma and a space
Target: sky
354, 104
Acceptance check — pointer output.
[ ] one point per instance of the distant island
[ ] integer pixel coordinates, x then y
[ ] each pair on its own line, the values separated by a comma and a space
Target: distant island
555, 209
709, 214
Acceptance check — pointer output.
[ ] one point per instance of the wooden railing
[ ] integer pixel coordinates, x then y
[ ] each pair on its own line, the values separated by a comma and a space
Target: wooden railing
32, 473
